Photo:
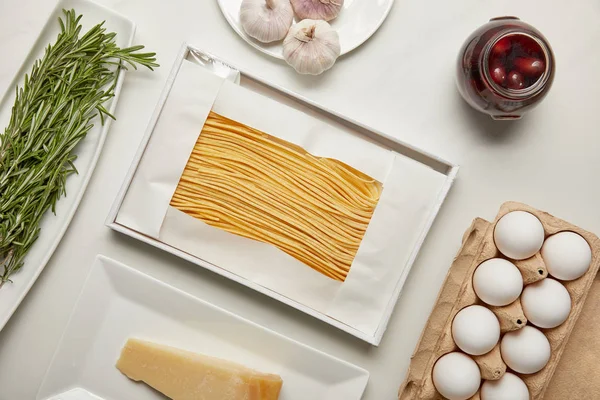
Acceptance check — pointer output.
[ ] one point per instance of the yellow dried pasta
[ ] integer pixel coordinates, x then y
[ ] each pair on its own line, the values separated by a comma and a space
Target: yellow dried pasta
254, 185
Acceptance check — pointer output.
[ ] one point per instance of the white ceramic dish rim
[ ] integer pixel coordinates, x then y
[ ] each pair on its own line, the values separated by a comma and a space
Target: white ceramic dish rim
85, 175
257, 46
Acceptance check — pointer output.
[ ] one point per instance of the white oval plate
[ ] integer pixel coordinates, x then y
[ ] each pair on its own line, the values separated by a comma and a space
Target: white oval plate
54, 226
357, 22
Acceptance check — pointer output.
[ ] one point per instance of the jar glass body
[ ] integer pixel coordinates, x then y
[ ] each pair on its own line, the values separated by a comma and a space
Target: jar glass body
476, 82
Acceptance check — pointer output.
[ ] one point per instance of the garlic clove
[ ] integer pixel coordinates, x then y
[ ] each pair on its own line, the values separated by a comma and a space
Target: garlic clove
325, 10
311, 47
266, 20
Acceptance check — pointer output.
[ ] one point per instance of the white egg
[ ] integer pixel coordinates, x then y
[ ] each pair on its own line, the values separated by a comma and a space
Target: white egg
546, 303
567, 255
456, 376
475, 330
525, 351
497, 282
519, 235
509, 387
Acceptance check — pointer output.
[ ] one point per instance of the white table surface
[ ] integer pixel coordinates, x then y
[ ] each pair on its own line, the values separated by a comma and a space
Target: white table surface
400, 82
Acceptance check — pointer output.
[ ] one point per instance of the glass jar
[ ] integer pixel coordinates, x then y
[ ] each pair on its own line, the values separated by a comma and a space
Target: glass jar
505, 68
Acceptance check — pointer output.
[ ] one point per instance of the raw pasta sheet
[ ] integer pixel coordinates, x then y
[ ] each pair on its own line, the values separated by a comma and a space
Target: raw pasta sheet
409, 191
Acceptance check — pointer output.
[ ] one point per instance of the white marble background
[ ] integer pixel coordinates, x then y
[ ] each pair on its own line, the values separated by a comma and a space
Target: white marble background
400, 82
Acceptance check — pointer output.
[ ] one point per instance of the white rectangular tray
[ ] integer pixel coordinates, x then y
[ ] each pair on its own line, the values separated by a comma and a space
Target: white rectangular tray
446, 170
53, 227
118, 302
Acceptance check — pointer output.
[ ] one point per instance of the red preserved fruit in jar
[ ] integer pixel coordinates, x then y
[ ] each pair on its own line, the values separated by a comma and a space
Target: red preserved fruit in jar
530, 66
498, 74
516, 81
505, 68
501, 47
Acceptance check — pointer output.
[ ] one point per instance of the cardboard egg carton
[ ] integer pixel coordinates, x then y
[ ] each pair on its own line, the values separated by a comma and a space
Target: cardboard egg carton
457, 293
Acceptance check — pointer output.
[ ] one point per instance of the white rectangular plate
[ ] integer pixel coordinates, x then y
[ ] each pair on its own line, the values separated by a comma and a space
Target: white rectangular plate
54, 226
419, 206
118, 302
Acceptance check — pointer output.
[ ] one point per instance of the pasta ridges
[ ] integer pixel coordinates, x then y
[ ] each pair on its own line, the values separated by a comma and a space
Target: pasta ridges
250, 184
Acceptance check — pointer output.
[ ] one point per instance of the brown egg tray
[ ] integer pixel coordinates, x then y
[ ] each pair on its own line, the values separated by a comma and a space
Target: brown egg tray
457, 293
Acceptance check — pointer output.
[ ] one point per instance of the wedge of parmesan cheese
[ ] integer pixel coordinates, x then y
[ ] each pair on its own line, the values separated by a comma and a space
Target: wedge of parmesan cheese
183, 375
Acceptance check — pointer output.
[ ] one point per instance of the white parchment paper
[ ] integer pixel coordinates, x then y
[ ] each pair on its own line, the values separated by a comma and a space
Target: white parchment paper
409, 190
188, 104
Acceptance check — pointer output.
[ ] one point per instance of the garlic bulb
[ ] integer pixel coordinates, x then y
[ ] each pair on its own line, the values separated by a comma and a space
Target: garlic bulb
266, 20
311, 47
317, 9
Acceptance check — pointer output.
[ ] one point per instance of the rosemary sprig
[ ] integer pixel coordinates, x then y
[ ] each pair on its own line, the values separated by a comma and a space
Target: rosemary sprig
53, 111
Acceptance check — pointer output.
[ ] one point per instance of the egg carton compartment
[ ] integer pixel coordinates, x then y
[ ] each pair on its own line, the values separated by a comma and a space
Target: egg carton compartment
457, 293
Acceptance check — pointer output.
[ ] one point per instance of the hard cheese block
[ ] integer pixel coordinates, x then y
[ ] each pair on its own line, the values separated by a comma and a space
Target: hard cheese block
183, 375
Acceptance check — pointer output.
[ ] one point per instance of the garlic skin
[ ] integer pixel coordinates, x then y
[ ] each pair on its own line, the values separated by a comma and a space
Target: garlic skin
311, 47
266, 20
317, 9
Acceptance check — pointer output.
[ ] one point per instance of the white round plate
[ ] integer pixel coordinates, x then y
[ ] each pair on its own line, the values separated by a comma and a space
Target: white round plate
358, 20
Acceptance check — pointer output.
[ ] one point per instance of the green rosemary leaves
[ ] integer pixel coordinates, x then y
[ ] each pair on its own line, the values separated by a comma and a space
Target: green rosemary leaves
56, 107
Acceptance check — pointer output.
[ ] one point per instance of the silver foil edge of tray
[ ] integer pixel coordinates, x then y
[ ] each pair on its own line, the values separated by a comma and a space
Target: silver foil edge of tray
214, 65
